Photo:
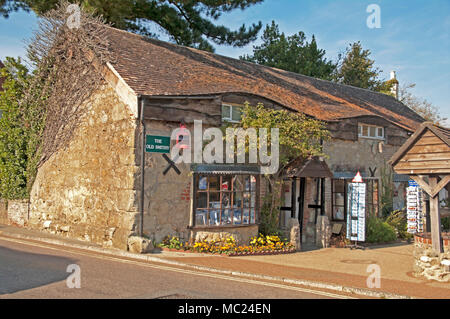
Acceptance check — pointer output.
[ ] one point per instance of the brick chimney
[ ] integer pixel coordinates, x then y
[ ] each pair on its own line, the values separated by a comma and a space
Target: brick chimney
394, 89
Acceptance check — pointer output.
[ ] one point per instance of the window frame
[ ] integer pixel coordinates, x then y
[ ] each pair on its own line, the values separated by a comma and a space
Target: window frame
372, 203
333, 199
229, 119
376, 137
251, 207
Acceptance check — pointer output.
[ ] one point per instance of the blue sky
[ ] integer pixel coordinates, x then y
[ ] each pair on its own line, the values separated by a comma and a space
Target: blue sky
413, 39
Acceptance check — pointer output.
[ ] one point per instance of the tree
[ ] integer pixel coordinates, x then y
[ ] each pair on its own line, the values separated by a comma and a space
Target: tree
421, 106
299, 137
292, 53
15, 131
187, 22
357, 69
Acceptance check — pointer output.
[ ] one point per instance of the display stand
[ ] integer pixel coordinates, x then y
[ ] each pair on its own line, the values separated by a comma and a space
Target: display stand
355, 246
356, 217
415, 216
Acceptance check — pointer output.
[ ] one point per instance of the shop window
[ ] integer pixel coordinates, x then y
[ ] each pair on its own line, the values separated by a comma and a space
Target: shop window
371, 131
339, 193
231, 113
222, 200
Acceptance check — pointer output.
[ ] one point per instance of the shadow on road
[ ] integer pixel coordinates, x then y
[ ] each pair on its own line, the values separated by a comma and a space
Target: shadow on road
22, 270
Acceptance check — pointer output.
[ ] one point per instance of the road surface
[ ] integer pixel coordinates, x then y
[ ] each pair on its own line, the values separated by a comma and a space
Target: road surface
37, 270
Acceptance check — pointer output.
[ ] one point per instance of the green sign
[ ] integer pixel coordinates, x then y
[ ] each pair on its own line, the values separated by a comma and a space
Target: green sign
157, 144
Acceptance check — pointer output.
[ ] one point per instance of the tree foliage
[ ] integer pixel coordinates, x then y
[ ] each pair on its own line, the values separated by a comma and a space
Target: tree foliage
387, 87
291, 53
19, 132
356, 68
187, 22
299, 135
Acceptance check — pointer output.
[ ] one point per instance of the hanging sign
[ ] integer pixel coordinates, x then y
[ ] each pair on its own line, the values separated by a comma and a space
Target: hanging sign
414, 208
356, 218
357, 178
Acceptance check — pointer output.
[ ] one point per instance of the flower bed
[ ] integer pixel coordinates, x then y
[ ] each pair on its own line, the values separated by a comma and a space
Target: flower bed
262, 245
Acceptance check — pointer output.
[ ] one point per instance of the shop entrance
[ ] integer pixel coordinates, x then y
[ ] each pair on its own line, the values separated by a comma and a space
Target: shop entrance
311, 204
304, 195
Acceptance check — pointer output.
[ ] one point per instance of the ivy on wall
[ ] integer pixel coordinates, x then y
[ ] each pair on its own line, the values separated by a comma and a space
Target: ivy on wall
20, 132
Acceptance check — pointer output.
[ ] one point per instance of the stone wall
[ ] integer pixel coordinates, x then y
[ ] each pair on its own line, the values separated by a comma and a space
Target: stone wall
352, 156
18, 212
88, 189
167, 197
323, 232
241, 234
14, 212
429, 264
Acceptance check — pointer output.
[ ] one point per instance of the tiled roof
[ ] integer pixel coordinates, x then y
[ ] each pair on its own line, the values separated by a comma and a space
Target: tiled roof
152, 67
442, 132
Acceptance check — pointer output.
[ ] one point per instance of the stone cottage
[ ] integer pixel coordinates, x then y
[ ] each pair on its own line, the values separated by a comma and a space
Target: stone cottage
93, 188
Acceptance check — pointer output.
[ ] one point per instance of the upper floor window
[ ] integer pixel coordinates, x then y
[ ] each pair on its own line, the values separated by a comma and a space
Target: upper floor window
231, 113
370, 131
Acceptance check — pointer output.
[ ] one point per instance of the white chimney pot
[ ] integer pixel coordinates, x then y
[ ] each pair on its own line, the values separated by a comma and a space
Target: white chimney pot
393, 76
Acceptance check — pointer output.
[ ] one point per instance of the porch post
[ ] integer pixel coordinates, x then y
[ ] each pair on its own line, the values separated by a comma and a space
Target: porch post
435, 218
293, 197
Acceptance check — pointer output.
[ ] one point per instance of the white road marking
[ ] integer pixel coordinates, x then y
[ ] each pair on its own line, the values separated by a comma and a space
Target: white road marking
185, 271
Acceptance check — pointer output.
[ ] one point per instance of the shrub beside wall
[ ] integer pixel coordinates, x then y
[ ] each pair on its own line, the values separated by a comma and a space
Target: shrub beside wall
379, 231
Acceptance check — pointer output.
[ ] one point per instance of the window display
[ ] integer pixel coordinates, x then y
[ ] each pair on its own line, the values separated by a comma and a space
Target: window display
225, 200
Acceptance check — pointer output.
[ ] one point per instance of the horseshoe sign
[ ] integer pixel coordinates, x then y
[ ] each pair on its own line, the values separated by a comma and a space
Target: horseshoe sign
171, 165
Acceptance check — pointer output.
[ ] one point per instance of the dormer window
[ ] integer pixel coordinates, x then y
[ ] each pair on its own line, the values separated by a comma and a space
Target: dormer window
231, 113
371, 131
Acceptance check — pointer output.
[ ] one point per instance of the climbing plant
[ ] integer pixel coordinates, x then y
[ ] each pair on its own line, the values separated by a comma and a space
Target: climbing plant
43, 108
299, 137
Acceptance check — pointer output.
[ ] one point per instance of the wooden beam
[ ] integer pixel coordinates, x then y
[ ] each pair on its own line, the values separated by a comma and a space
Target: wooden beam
422, 171
420, 149
429, 140
432, 191
424, 164
419, 180
436, 236
442, 183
